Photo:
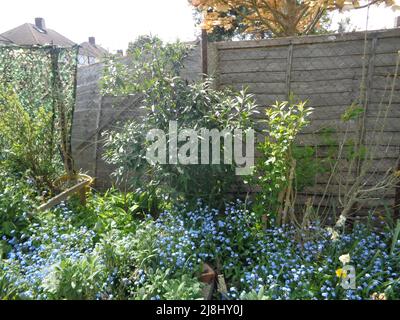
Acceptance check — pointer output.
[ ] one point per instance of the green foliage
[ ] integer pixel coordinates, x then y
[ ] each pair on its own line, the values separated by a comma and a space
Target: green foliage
25, 140
30, 71
8, 287
392, 289
254, 295
112, 210
17, 199
284, 121
149, 61
142, 43
352, 113
308, 166
118, 252
75, 279
160, 284
396, 237
137, 273
58, 258
111, 249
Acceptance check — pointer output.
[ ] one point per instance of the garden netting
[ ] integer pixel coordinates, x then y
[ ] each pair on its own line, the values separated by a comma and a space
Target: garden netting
44, 76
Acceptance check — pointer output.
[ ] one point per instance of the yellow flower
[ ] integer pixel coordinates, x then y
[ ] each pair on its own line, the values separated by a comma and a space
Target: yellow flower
344, 258
340, 273
379, 296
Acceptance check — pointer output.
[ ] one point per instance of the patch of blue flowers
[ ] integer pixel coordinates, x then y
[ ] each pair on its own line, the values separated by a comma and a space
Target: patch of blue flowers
33, 257
282, 263
285, 262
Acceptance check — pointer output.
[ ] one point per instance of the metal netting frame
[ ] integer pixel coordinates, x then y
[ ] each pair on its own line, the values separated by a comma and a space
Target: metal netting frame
45, 76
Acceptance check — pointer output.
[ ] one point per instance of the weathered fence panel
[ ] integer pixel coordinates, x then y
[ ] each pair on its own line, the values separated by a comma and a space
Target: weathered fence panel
331, 72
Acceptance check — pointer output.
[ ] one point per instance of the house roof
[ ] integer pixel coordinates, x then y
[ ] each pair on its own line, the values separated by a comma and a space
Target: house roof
29, 34
4, 40
92, 50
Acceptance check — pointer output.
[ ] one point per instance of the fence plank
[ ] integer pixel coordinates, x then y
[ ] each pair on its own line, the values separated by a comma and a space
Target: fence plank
253, 65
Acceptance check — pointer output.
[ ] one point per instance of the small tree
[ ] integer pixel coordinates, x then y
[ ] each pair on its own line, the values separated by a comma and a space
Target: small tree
274, 18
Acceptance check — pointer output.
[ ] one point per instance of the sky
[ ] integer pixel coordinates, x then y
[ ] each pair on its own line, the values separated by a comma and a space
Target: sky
380, 17
115, 23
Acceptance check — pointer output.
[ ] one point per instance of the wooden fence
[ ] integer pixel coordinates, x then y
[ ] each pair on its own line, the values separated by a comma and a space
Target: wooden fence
331, 72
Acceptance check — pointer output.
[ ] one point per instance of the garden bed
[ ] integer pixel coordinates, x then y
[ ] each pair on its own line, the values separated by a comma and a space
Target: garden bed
102, 253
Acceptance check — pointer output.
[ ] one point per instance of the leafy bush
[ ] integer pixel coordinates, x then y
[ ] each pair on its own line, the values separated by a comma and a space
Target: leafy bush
30, 151
75, 279
8, 283
106, 212
277, 166
154, 73
160, 285
17, 200
142, 44
149, 60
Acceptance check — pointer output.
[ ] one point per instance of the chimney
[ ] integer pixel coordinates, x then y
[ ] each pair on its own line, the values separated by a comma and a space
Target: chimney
92, 41
40, 24
397, 23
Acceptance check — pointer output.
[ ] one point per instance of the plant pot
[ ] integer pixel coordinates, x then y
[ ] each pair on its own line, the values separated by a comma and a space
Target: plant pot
78, 184
66, 181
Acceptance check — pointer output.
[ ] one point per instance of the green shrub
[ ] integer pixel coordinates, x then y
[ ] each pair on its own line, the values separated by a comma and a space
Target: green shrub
9, 288
161, 286
277, 167
167, 97
79, 279
106, 212
17, 200
25, 140
149, 60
